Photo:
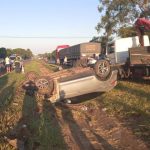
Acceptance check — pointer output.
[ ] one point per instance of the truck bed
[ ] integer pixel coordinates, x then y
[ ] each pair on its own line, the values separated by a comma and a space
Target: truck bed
140, 56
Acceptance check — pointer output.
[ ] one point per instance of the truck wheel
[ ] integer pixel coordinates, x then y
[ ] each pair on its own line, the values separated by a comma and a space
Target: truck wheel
102, 69
45, 85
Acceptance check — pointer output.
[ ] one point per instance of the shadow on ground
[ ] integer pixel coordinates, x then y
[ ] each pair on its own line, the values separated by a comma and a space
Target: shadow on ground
85, 97
38, 127
6, 96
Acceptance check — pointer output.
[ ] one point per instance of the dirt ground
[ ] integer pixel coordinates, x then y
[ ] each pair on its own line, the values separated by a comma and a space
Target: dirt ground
87, 127
83, 126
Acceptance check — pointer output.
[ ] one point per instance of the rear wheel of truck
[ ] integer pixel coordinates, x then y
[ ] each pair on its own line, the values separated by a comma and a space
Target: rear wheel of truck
102, 69
44, 85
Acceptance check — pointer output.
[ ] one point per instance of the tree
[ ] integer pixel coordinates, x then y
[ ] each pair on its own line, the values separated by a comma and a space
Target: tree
9, 51
127, 32
3, 52
116, 14
25, 54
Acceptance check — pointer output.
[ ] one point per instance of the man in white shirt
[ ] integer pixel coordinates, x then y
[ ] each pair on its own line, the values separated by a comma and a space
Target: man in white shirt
7, 64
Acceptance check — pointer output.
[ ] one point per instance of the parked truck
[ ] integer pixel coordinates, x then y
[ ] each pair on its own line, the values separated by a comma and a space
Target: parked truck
79, 55
130, 56
130, 59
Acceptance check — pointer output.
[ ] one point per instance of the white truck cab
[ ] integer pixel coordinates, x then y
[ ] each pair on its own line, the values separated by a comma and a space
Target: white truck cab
117, 50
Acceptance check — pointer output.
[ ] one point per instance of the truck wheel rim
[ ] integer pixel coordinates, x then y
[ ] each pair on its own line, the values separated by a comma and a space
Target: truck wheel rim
42, 84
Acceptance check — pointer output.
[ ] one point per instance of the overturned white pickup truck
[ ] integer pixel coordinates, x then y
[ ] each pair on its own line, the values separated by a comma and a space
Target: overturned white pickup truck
74, 82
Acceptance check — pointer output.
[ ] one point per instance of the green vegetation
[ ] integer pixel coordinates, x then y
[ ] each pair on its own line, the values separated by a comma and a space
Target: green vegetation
116, 14
52, 67
25, 54
117, 18
130, 102
17, 108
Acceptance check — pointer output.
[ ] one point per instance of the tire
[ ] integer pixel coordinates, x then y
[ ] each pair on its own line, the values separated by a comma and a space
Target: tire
102, 69
44, 85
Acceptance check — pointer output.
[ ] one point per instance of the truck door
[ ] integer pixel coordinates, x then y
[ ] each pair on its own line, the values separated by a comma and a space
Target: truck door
110, 51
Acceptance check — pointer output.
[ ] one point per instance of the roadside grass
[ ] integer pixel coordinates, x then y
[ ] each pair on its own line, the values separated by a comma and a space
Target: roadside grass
33, 66
129, 101
17, 108
51, 67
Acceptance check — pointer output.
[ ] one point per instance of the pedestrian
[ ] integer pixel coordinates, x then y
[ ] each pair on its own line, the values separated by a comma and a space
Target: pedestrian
65, 60
7, 64
18, 64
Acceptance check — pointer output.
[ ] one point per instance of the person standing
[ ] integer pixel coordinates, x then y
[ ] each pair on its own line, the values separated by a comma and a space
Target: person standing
65, 60
7, 64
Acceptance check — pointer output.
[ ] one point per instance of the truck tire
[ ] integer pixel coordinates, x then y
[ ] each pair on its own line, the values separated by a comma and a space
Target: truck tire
102, 69
44, 85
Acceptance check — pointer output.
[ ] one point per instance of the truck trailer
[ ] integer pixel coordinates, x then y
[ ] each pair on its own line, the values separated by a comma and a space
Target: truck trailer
80, 54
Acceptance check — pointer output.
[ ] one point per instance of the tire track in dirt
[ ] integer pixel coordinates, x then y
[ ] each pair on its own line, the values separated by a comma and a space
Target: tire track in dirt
94, 130
87, 128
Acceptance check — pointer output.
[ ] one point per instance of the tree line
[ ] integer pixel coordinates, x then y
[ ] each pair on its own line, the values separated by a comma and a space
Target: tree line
24, 53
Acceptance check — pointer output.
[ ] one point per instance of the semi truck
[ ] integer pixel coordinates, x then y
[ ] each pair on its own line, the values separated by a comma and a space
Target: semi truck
80, 54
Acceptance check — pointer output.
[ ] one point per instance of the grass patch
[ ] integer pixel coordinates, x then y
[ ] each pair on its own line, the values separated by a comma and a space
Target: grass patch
51, 67
130, 102
32, 66
17, 108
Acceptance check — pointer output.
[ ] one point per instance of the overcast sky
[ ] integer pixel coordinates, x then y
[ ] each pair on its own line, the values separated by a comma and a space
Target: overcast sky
42, 25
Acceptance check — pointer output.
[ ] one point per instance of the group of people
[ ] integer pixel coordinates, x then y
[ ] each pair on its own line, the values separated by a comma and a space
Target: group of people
10, 63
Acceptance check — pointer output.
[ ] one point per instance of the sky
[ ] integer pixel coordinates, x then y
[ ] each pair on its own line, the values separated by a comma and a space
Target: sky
42, 25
